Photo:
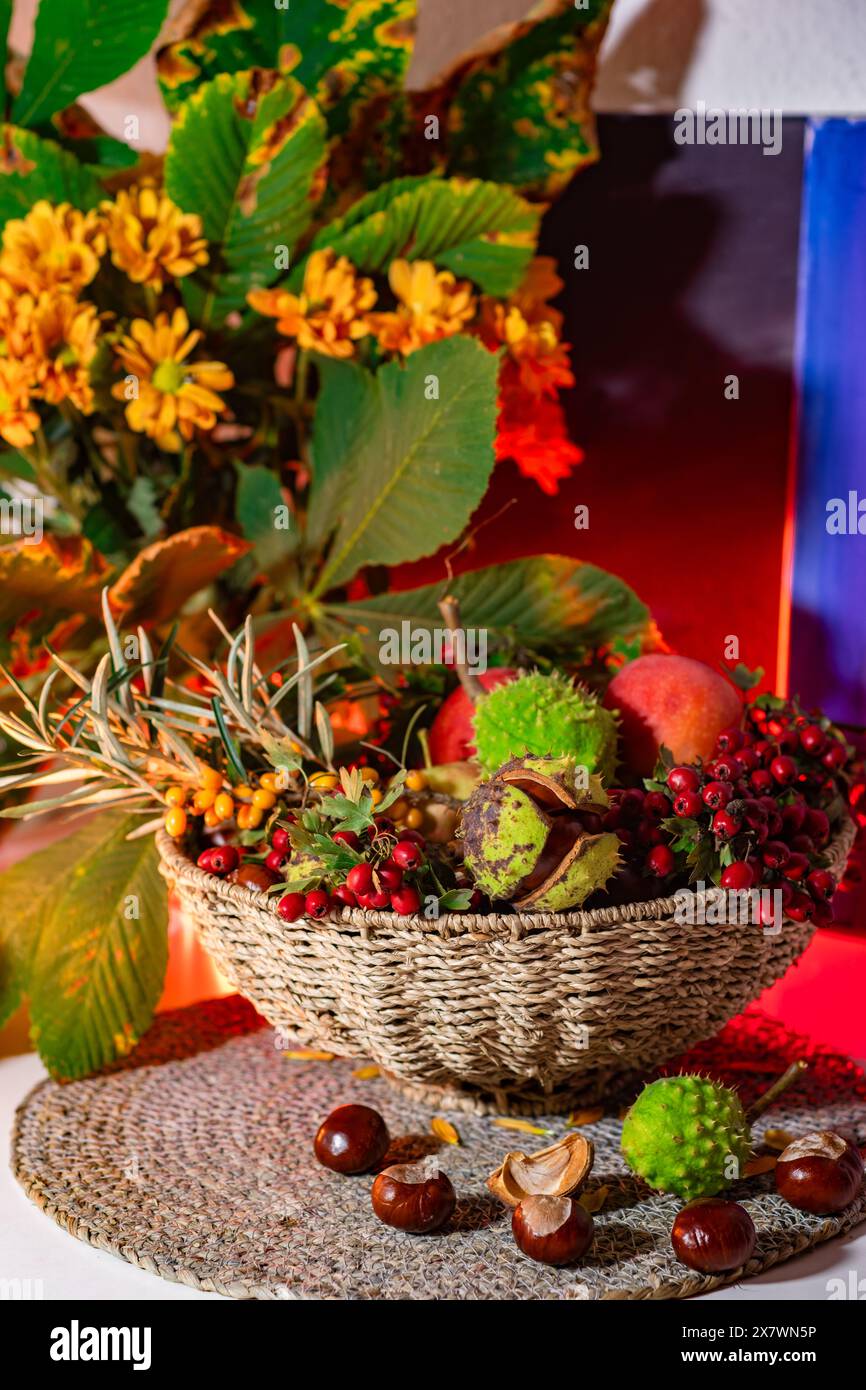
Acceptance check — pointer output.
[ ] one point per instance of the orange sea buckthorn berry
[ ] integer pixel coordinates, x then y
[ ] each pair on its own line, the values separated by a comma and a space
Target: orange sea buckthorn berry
209, 777
224, 807
175, 822
268, 781
175, 796
369, 775
295, 747
264, 800
204, 799
256, 817
243, 817
400, 809
211, 819
416, 781
324, 781
243, 793
376, 796
414, 819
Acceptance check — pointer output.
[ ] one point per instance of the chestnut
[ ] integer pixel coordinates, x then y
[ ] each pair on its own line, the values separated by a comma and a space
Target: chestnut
552, 1230
353, 1139
820, 1173
713, 1235
416, 1197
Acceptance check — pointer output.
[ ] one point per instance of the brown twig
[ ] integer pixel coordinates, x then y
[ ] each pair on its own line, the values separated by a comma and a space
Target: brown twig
450, 610
784, 1081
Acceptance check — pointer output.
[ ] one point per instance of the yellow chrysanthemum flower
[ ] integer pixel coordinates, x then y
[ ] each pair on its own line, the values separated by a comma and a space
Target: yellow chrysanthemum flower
17, 420
432, 305
168, 397
329, 313
64, 340
52, 248
149, 238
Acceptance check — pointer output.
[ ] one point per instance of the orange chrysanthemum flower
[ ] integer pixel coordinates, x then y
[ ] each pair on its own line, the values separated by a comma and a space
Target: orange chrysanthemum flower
432, 305
169, 398
17, 420
534, 434
328, 315
52, 248
149, 238
530, 331
64, 340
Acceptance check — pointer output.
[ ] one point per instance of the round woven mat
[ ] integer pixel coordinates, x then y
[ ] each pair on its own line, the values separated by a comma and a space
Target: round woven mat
193, 1160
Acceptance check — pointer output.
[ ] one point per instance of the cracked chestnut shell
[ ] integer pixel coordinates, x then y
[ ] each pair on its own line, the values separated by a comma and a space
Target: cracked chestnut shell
820, 1172
416, 1197
525, 840
713, 1235
557, 1171
353, 1139
552, 1230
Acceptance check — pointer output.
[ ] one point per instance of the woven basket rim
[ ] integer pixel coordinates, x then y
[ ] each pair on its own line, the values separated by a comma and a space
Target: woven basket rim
178, 862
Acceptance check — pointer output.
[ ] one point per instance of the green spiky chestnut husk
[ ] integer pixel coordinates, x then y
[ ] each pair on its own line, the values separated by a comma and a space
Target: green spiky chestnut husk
546, 715
523, 841
687, 1135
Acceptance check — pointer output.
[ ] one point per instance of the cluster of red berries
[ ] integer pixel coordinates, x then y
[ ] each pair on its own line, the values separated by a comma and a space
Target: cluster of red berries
382, 880
762, 796
636, 817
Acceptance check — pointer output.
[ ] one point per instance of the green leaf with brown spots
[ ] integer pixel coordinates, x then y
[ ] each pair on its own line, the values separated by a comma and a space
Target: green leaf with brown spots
545, 602
99, 965
247, 153
481, 230
522, 115
346, 53
79, 45
32, 168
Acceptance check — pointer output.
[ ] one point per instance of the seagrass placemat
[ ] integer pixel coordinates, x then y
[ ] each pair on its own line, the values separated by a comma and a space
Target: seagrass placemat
193, 1160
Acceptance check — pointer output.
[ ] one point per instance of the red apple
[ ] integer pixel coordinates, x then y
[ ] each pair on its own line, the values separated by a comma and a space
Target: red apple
670, 700
451, 736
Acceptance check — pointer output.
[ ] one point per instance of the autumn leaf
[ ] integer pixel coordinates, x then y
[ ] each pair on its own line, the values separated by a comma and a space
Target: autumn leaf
57, 575
165, 575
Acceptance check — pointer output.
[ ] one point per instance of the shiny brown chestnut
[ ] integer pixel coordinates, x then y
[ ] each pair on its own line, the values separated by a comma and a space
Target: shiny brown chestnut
257, 876
353, 1139
552, 1230
713, 1235
820, 1172
416, 1197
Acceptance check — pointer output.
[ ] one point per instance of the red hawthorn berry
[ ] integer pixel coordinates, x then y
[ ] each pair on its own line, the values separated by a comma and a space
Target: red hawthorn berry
280, 840
800, 908
377, 900
275, 860
803, 844
390, 875
683, 779
344, 895
783, 769
346, 837
661, 861
725, 825
747, 759
408, 854
834, 757
797, 867
317, 904
729, 740
727, 768
716, 795
413, 837
291, 907
821, 883
360, 879
204, 859
406, 900
754, 813
224, 859
775, 853
761, 781
688, 803
656, 804
793, 816
737, 876
812, 739
817, 824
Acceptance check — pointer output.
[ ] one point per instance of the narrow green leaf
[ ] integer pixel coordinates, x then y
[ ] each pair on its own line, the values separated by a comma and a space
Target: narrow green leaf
402, 458
78, 47
228, 742
99, 966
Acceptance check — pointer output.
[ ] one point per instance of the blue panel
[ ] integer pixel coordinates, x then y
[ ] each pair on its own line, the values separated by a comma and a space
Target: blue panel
828, 629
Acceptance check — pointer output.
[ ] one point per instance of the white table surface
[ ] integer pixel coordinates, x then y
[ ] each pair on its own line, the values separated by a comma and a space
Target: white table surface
33, 1247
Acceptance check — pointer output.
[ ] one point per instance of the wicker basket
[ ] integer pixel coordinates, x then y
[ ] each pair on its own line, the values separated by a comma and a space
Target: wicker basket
513, 1013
